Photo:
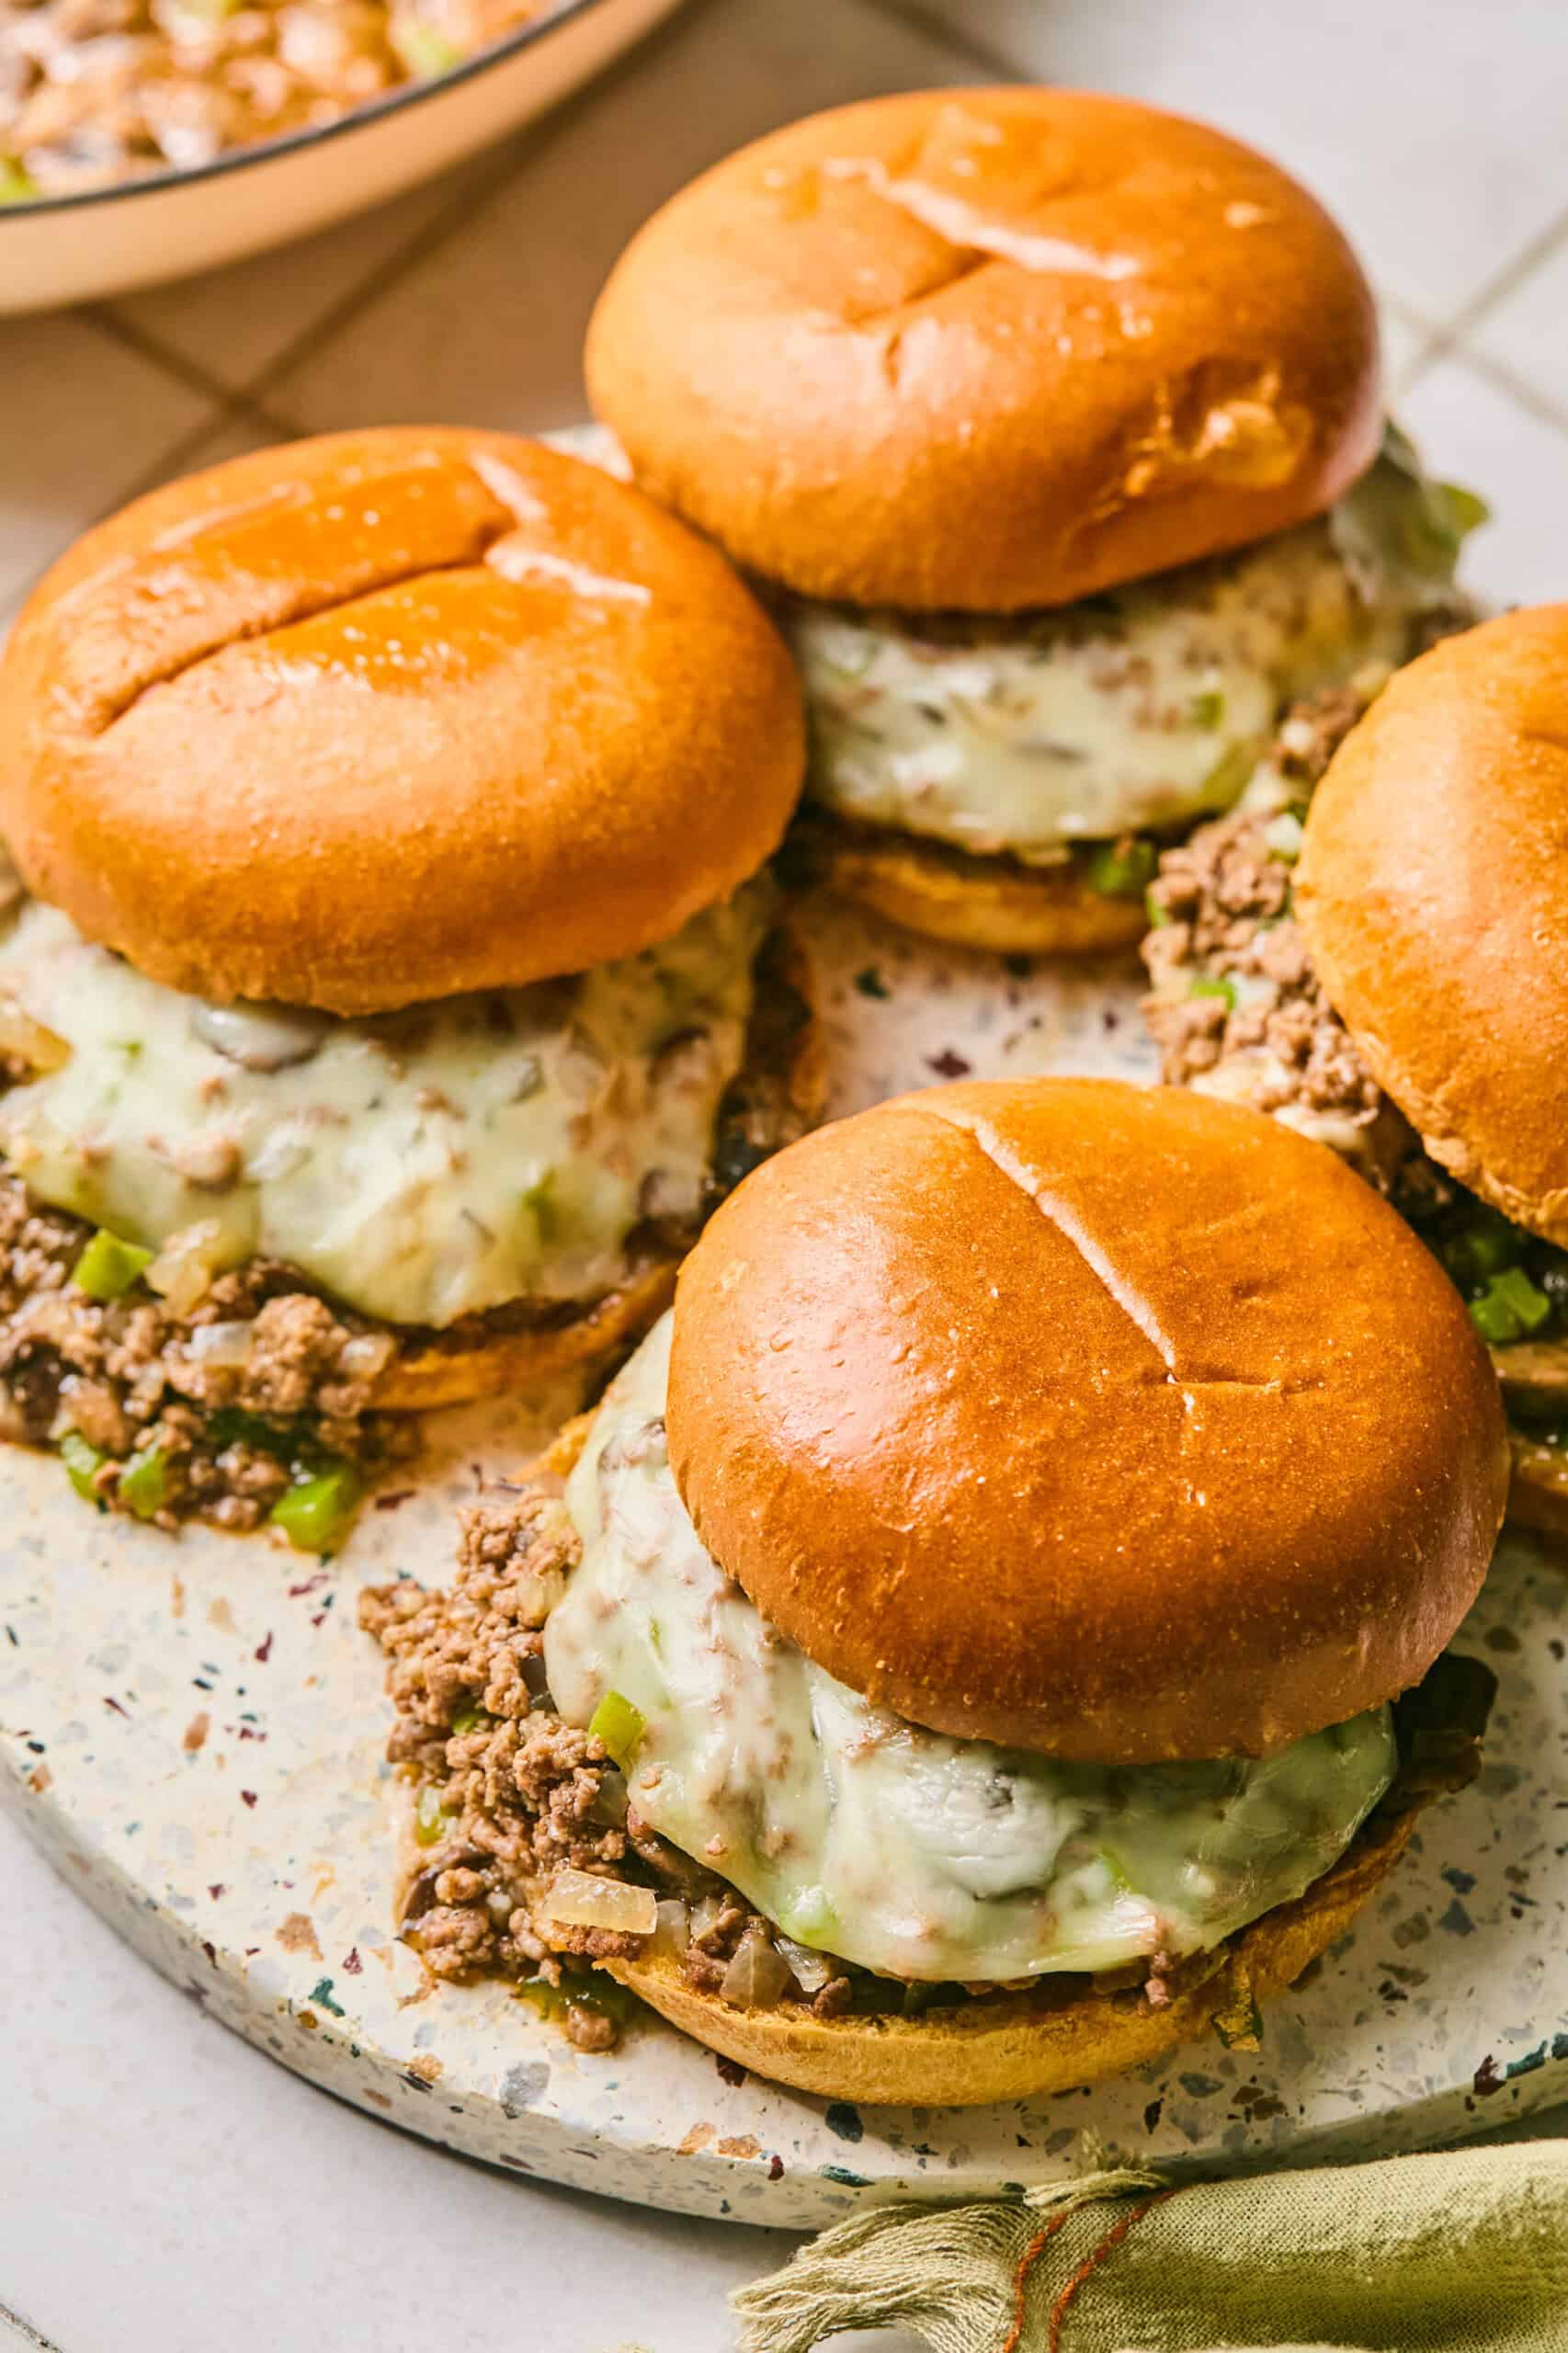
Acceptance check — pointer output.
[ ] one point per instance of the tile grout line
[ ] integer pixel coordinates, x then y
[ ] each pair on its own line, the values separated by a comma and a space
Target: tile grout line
189, 372
235, 407
936, 29
1535, 404
1452, 337
175, 459
510, 158
26, 2332
1532, 255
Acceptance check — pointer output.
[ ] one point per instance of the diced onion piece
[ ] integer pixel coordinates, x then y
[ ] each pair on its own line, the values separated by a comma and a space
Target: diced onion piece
705, 1916
810, 1971
580, 1900
183, 1270
366, 1355
1282, 836
612, 1802
536, 1595
28, 1041
220, 1344
758, 1974
671, 1932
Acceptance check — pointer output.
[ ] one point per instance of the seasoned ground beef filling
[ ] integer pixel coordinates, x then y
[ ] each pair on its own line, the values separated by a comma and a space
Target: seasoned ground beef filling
507, 1796
510, 1794
1237, 1010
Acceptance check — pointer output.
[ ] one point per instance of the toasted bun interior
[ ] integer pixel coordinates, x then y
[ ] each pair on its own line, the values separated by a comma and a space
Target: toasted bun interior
988, 348
1114, 1423
1433, 893
389, 716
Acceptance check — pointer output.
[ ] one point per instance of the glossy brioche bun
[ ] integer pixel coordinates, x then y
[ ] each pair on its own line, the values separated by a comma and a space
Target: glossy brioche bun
988, 348
388, 716
1433, 893
1112, 1423
991, 903
1013, 2046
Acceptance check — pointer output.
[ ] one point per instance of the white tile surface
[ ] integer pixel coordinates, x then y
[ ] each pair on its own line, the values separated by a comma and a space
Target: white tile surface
235, 323
1527, 332
82, 420
1435, 131
489, 327
1471, 428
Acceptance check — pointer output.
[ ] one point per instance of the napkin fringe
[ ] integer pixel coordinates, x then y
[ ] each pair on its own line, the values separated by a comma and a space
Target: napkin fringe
877, 2270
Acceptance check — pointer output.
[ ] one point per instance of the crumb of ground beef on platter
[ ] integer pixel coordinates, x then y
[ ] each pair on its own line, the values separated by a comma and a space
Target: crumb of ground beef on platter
509, 1794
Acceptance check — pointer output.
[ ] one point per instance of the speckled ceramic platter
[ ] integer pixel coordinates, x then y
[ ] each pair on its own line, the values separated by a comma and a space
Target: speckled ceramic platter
192, 1729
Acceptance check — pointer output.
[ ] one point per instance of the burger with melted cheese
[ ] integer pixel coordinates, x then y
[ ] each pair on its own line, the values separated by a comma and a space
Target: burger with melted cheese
1383, 961
386, 986
1052, 420
1006, 1593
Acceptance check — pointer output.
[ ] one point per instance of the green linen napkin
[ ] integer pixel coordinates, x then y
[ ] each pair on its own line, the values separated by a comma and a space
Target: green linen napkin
1462, 2253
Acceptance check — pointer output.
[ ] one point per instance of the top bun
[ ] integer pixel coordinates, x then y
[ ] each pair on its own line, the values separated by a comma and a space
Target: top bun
388, 716
989, 349
1109, 1422
1433, 893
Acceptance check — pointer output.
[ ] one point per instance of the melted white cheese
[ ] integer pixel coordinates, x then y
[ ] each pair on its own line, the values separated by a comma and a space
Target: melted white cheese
1129, 710
912, 1854
421, 1166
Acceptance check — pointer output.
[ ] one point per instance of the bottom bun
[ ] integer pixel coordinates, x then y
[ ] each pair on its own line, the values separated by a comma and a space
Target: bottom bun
948, 895
1017, 2046
1537, 1496
424, 1378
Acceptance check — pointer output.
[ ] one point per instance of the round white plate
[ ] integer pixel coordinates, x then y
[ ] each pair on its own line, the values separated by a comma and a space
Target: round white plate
106, 241
192, 1729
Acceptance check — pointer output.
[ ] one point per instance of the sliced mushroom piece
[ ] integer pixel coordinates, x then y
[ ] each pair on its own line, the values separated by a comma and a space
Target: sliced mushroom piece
261, 1038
